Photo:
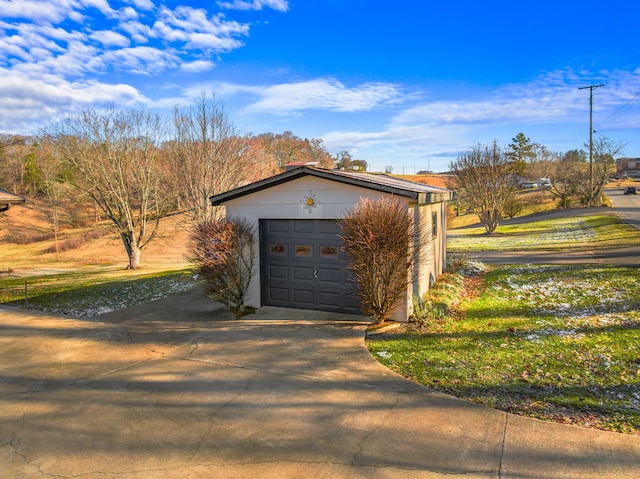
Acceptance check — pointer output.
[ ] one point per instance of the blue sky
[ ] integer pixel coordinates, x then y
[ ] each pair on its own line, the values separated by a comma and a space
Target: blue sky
408, 83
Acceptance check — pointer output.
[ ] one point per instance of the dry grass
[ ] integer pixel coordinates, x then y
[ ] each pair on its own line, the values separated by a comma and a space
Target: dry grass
97, 245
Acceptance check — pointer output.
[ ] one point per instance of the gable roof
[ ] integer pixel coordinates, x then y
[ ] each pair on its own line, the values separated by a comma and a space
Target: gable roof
423, 194
7, 199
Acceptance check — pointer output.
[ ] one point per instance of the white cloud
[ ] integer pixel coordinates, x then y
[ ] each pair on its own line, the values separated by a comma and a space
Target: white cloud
128, 13
322, 94
197, 66
102, 5
143, 4
192, 33
552, 98
210, 41
197, 31
143, 60
138, 31
110, 39
36, 11
281, 5
32, 102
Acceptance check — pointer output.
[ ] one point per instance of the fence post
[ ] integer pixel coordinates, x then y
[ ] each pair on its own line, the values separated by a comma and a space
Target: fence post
26, 294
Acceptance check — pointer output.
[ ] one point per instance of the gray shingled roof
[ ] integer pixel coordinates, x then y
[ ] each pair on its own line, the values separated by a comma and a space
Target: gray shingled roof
423, 194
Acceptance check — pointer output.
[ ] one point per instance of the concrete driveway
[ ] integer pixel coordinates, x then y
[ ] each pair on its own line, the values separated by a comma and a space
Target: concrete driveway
176, 389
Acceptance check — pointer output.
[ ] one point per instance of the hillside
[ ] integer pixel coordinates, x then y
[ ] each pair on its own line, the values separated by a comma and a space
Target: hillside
433, 180
27, 245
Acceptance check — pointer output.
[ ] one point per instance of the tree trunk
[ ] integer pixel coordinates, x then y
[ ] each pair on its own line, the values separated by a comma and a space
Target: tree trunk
132, 251
491, 220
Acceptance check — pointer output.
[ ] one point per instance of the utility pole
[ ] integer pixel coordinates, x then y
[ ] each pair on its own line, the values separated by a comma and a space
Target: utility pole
591, 88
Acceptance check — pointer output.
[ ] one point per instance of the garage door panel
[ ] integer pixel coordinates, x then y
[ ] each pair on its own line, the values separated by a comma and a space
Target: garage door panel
278, 226
279, 294
330, 275
303, 226
352, 303
329, 299
329, 227
303, 297
303, 273
278, 272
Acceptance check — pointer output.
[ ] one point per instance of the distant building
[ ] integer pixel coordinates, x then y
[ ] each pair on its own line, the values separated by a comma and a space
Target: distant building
628, 167
298, 164
7, 199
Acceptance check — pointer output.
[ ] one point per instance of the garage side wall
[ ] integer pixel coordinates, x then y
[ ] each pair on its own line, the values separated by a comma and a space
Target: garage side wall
430, 249
307, 197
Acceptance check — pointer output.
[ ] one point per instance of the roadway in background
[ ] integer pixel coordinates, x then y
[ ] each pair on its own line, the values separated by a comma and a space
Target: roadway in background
626, 207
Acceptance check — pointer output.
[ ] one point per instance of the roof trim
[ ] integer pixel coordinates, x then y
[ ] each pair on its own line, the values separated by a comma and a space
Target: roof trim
7, 199
420, 192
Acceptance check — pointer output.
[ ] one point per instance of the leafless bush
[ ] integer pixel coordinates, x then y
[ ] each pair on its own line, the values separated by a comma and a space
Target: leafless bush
28, 238
513, 206
224, 252
378, 236
75, 243
66, 245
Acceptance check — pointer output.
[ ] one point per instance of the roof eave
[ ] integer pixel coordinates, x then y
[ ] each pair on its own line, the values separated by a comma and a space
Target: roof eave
217, 200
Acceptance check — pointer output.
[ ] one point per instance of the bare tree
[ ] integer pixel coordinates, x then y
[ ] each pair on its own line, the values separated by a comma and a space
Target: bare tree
484, 180
14, 150
54, 182
114, 154
208, 155
315, 151
603, 165
566, 173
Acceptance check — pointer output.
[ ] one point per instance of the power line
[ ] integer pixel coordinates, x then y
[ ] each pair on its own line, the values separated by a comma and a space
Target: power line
627, 105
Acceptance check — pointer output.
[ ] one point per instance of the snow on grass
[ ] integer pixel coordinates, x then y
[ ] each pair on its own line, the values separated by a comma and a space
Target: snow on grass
551, 342
108, 297
541, 235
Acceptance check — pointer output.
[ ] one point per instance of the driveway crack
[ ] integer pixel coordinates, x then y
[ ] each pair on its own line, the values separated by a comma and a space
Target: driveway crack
504, 444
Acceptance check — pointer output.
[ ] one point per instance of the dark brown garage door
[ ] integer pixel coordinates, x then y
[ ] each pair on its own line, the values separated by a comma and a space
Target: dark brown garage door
303, 266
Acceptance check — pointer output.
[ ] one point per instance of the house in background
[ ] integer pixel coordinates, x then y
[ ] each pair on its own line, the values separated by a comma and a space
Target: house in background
301, 260
297, 164
7, 199
628, 167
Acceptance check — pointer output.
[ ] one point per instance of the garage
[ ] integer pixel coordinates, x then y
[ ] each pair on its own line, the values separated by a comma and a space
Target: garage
304, 266
296, 216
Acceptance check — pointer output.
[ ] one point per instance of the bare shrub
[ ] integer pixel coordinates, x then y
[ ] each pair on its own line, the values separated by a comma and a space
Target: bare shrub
75, 243
513, 207
224, 252
377, 239
28, 238
66, 245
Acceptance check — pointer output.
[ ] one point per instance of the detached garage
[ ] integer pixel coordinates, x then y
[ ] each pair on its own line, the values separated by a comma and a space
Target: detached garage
297, 214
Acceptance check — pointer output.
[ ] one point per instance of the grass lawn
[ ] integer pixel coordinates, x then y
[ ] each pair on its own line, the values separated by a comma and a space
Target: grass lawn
553, 342
582, 232
89, 292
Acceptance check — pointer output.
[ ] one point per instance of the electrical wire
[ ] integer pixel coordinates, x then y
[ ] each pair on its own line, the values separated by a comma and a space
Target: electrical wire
626, 106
